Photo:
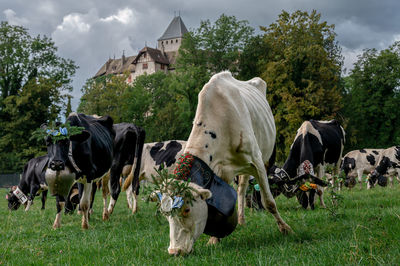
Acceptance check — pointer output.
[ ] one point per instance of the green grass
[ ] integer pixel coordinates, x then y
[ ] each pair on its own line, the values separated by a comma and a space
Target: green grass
365, 231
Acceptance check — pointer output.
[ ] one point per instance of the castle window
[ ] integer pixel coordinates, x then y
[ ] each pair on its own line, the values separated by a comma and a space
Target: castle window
144, 55
176, 40
166, 42
145, 66
162, 66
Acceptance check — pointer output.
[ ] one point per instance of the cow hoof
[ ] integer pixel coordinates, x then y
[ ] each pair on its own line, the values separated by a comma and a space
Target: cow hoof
285, 229
213, 240
106, 216
56, 226
85, 226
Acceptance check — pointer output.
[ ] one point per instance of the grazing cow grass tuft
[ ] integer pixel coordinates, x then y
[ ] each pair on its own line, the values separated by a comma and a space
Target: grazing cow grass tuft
365, 230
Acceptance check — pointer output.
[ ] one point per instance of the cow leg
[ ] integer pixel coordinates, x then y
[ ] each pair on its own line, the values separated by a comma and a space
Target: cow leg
105, 192
359, 177
391, 179
60, 202
320, 190
92, 195
242, 188
267, 198
44, 197
311, 199
85, 204
129, 197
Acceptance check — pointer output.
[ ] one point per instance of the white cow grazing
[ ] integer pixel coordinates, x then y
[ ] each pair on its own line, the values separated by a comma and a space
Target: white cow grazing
234, 133
358, 162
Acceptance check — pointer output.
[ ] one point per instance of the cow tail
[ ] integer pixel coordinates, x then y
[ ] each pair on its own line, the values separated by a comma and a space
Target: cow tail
271, 160
128, 181
139, 151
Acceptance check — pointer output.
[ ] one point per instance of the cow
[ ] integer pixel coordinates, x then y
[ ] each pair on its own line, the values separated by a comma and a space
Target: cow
155, 156
32, 183
388, 164
317, 144
233, 134
358, 162
83, 157
128, 146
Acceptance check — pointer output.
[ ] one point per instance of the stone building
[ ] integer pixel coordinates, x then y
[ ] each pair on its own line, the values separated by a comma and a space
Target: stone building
149, 60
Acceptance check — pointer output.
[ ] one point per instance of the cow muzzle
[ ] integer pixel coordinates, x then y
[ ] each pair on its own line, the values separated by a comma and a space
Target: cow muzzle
57, 165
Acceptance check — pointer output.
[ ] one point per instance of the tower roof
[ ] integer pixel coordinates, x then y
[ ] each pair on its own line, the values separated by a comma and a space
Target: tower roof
176, 29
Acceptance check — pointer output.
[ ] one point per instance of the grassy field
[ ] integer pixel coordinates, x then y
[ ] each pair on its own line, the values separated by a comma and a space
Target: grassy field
365, 231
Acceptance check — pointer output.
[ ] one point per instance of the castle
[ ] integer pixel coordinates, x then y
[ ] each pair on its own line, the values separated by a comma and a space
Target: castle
149, 60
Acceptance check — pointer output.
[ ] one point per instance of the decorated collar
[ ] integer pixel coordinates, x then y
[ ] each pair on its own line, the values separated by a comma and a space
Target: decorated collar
307, 186
20, 195
183, 167
306, 167
71, 159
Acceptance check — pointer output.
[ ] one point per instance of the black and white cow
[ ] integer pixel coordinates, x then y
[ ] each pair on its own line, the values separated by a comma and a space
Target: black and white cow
233, 134
32, 183
358, 162
388, 164
82, 158
128, 147
154, 156
316, 144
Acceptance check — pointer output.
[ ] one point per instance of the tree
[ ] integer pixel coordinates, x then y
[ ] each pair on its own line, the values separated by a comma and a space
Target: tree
34, 82
372, 97
208, 50
302, 70
103, 96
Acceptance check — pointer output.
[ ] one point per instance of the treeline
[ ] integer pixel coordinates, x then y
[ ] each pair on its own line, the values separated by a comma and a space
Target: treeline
297, 55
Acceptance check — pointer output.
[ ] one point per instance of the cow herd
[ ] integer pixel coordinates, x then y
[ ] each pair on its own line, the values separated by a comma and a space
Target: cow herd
233, 135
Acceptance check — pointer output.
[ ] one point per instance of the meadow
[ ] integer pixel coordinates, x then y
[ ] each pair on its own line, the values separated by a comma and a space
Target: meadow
363, 229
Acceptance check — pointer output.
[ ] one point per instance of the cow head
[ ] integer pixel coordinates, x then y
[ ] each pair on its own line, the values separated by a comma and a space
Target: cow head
13, 202
189, 220
61, 170
378, 174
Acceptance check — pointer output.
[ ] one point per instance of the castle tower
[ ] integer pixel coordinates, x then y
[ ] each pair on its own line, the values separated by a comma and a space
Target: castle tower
171, 40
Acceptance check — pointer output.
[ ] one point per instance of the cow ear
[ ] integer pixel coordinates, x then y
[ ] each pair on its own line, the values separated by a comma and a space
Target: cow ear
82, 137
204, 193
106, 121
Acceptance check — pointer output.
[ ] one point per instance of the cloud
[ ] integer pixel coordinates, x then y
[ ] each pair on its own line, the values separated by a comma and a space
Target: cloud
74, 22
13, 19
124, 16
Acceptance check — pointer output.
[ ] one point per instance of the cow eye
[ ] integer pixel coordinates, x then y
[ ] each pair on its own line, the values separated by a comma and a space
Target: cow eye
186, 212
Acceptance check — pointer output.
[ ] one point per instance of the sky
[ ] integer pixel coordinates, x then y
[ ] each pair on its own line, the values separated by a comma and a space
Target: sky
91, 31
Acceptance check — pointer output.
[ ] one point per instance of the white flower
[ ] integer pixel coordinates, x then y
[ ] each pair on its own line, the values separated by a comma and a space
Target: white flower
166, 203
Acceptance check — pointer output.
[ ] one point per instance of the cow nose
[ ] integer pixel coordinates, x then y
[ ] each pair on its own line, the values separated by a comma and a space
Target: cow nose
174, 251
57, 165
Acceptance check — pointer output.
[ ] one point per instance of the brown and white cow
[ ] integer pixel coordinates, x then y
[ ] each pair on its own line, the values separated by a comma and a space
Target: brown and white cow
358, 162
233, 134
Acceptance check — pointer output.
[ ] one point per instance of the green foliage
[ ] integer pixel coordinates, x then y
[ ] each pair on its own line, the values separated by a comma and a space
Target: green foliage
103, 96
371, 99
56, 132
302, 70
33, 83
216, 47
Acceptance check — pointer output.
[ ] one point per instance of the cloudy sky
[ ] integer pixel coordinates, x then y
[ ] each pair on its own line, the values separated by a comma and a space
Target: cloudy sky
91, 31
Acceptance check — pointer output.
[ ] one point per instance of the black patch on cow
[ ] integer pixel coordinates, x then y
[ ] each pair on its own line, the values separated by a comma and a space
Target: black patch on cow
213, 135
206, 146
200, 123
166, 156
371, 159
376, 153
348, 164
210, 158
363, 151
397, 153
